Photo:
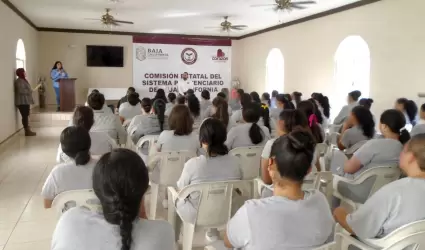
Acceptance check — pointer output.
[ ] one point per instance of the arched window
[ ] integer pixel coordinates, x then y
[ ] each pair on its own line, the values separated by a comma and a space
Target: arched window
275, 71
20, 55
352, 70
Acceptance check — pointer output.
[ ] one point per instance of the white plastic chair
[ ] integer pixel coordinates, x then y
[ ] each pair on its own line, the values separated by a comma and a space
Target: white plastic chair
249, 161
382, 175
151, 139
350, 151
412, 234
170, 167
76, 198
214, 210
321, 149
219, 245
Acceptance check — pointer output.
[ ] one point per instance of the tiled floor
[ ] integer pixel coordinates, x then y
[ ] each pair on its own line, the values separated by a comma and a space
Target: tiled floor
24, 166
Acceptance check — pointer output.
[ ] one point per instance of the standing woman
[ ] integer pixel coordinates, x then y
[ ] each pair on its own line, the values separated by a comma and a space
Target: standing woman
57, 73
23, 98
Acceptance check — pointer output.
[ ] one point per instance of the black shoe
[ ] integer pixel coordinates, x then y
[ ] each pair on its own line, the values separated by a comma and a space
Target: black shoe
58, 109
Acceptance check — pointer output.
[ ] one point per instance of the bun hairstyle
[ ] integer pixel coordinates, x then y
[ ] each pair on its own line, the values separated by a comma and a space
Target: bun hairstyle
172, 97
416, 145
366, 102
308, 108
120, 180
293, 155
286, 103
222, 111
355, 95
324, 103
194, 105
266, 97
293, 119
83, 117
410, 108
365, 119
255, 97
96, 101
251, 114
396, 122
146, 104
76, 143
159, 109
245, 100
213, 133
133, 99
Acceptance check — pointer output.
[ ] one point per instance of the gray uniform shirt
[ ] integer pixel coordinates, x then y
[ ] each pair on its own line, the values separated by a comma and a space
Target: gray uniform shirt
352, 136
344, 113
239, 136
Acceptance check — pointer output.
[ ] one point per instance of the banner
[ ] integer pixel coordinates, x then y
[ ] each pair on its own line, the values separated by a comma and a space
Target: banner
161, 61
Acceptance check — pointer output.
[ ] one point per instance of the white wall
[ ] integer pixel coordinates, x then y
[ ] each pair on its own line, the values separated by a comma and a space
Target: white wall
13, 28
393, 30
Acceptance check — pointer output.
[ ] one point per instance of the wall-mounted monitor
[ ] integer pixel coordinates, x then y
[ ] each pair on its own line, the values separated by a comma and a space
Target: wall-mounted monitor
105, 56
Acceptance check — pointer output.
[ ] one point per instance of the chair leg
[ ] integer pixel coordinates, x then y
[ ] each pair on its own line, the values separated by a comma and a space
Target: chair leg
172, 210
154, 200
188, 233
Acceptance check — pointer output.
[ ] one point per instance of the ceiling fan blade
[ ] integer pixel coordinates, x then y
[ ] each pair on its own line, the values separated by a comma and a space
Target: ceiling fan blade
263, 5
92, 19
236, 28
126, 22
304, 2
299, 7
239, 26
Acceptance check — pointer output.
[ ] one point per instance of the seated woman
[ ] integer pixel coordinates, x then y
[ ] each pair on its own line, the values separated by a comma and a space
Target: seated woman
289, 120
366, 102
255, 97
180, 136
380, 152
205, 100
210, 109
352, 99
171, 103
358, 127
74, 174
130, 109
151, 124
281, 104
100, 143
217, 165
245, 99
410, 111
296, 98
195, 110
146, 104
324, 107
419, 128
394, 205
220, 112
120, 181
105, 107
248, 133
268, 223
265, 98
309, 110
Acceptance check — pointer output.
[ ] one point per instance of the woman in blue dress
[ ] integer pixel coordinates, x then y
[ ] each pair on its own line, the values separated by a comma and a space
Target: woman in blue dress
57, 73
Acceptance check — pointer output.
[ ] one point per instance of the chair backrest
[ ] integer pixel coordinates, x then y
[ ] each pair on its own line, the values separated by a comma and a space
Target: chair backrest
171, 165
337, 161
383, 176
76, 198
151, 140
333, 138
324, 183
321, 149
412, 242
249, 161
101, 142
215, 201
400, 235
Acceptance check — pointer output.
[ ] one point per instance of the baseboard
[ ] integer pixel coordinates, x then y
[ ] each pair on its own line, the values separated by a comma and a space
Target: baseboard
5, 143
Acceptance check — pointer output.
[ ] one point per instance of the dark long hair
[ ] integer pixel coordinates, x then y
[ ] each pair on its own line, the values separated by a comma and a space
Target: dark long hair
265, 114
365, 119
160, 94
251, 114
55, 66
297, 97
411, 109
245, 100
396, 122
83, 117
213, 133
317, 111
120, 180
76, 143
293, 119
324, 102
266, 97
159, 109
307, 107
194, 105
222, 110
286, 103
255, 97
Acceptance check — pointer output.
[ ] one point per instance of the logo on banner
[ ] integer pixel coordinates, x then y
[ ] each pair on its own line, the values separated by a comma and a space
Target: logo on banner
220, 56
143, 54
189, 56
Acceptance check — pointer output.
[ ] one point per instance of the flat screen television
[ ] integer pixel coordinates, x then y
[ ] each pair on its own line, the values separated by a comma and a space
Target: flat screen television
105, 56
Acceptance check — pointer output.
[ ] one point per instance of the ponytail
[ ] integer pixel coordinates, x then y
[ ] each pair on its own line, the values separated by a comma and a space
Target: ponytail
404, 136
412, 111
222, 110
82, 158
256, 134
315, 128
265, 114
126, 226
159, 109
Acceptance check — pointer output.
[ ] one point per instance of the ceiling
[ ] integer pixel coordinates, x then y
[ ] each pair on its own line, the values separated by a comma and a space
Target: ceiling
165, 16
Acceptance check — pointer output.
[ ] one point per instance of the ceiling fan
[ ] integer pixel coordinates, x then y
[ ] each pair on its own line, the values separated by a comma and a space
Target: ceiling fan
108, 20
286, 5
228, 26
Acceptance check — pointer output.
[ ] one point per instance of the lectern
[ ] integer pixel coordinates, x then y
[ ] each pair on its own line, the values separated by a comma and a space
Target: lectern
67, 94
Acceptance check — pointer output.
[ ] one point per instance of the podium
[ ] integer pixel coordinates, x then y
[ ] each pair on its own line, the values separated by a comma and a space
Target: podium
67, 94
